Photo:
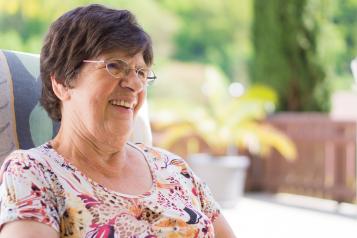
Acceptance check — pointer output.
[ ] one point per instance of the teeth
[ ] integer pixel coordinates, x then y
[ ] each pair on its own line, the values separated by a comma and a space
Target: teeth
121, 103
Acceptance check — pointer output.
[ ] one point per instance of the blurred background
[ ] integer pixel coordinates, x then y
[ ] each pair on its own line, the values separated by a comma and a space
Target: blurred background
262, 88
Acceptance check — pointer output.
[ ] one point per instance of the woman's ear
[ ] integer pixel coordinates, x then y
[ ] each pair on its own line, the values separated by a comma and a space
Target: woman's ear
61, 91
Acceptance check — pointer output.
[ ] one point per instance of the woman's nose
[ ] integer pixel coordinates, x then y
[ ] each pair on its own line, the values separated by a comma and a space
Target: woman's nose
132, 81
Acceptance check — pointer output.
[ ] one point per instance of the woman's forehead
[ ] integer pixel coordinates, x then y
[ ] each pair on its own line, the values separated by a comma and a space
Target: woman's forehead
118, 54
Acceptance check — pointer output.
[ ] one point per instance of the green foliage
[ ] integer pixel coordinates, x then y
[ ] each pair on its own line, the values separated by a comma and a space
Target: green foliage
24, 23
346, 19
285, 42
214, 32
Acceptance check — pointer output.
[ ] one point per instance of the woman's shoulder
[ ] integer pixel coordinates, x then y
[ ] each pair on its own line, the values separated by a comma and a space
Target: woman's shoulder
25, 159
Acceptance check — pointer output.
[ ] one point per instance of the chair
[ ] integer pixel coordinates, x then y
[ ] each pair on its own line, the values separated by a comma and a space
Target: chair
23, 122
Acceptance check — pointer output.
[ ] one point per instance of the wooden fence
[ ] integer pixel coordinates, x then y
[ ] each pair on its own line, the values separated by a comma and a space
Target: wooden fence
326, 163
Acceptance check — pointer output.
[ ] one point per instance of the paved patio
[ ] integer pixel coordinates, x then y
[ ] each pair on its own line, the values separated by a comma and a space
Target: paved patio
284, 215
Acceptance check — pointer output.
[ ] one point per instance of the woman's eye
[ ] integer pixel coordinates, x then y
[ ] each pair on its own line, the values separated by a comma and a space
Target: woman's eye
115, 67
141, 73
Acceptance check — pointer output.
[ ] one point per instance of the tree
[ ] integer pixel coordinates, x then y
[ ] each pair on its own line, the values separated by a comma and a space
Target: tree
346, 19
285, 54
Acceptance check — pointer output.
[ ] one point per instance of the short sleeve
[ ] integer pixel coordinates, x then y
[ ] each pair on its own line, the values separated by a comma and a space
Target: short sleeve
25, 191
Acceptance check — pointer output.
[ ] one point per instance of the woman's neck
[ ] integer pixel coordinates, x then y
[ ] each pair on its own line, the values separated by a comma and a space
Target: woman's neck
85, 151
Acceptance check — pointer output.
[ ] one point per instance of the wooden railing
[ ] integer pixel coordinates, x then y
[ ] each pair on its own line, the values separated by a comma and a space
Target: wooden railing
326, 163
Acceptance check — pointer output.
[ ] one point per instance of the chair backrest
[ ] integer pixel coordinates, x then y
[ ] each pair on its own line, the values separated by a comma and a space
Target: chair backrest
23, 122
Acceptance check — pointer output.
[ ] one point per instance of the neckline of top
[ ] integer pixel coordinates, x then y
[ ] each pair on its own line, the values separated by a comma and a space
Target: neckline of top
61, 159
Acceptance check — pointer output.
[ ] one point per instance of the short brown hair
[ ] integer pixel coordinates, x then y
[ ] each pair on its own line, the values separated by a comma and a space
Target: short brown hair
84, 33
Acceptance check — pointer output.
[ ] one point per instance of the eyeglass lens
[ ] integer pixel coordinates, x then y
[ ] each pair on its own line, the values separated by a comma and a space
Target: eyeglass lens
119, 68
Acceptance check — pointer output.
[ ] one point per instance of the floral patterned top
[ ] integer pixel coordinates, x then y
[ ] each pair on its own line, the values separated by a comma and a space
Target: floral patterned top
40, 185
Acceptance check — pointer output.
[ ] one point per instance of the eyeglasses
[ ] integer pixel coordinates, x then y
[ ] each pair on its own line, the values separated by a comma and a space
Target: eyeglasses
119, 68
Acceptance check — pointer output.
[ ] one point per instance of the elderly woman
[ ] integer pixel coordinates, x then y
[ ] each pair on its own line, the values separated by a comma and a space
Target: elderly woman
89, 181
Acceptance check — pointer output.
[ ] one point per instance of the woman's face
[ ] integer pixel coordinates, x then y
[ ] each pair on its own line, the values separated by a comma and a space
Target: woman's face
102, 107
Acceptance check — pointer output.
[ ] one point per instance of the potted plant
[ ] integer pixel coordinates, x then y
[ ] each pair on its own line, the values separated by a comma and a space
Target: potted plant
225, 123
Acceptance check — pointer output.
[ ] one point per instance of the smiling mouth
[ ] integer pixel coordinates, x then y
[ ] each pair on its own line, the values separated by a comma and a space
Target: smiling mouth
122, 103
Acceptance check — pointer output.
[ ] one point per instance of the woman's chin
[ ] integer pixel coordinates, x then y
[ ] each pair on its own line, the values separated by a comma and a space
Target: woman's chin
121, 129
